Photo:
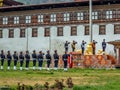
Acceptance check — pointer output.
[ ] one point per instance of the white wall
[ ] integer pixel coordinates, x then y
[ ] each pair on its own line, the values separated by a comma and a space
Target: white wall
55, 42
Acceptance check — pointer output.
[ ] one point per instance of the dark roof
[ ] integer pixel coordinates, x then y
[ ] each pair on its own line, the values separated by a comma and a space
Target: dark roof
11, 2
55, 5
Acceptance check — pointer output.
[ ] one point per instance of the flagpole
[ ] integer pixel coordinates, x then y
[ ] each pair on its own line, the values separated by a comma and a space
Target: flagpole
90, 20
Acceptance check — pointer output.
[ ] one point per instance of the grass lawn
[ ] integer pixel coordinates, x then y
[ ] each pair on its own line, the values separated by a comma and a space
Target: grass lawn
83, 79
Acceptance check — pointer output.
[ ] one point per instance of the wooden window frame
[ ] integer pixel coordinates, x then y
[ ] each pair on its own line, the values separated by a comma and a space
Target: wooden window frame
28, 19
86, 31
109, 14
40, 18
59, 17
102, 30
118, 13
1, 33
11, 33
53, 18
103, 15
22, 33
66, 17
74, 31
46, 18
80, 16
34, 32
59, 31
73, 16
16, 20
114, 14
47, 32
94, 15
86, 15
117, 29
5, 20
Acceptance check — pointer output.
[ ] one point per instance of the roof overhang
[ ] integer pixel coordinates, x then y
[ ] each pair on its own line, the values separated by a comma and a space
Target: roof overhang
116, 43
57, 5
11, 2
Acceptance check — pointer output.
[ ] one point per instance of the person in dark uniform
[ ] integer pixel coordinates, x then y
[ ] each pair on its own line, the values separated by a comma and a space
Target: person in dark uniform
40, 60
2, 59
9, 58
103, 45
34, 57
66, 46
21, 57
56, 59
27, 56
83, 47
65, 60
15, 57
48, 58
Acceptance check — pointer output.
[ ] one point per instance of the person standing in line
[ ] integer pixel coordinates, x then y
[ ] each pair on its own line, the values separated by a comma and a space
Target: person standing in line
83, 47
40, 60
115, 51
65, 60
27, 56
15, 57
21, 57
9, 58
34, 57
94, 46
66, 46
104, 45
56, 59
2, 59
48, 58
73, 45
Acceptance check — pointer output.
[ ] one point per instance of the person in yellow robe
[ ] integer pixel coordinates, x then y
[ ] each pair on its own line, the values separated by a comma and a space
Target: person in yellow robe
73, 45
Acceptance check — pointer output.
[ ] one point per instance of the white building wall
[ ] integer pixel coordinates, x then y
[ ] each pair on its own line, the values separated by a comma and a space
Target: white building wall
12, 44
55, 42
38, 43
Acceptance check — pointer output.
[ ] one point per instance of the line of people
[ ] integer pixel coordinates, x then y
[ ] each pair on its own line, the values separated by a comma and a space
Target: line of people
35, 57
73, 46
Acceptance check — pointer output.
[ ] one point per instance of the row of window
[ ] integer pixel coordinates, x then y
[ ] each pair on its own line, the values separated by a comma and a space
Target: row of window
56, 17
102, 31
